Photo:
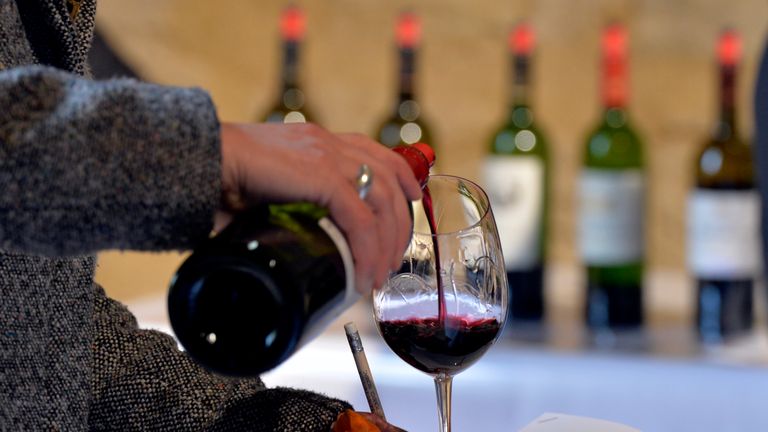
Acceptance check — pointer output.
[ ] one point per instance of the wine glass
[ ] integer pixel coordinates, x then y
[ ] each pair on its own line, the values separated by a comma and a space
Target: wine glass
447, 304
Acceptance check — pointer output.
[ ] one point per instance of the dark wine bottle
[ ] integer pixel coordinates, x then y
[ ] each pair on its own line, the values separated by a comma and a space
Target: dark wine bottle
723, 217
290, 105
272, 280
612, 185
516, 180
406, 124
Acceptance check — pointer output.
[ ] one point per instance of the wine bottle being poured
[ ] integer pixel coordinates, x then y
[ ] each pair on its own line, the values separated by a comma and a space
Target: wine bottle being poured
271, 281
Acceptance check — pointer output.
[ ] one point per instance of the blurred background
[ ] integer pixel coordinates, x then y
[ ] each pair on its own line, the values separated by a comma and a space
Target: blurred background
348, 72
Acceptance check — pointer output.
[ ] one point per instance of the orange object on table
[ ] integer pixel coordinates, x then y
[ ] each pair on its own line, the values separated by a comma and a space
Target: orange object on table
351, 421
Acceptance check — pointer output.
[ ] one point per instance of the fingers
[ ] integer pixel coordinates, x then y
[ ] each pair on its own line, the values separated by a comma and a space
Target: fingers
358, 223
395, 224
287, 163
388, 198
373, 229
391, 225
394, 161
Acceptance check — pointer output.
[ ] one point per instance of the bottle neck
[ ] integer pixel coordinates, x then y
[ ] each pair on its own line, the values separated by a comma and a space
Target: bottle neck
615, 117
521, 65
614, 86
520, 114
290, 72
419, 161
726, 127
407, 73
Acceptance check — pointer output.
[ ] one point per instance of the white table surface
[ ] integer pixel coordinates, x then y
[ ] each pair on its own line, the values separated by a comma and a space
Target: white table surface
665, 382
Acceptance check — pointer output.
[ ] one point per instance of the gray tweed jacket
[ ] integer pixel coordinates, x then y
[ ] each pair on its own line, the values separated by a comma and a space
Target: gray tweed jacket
86, 166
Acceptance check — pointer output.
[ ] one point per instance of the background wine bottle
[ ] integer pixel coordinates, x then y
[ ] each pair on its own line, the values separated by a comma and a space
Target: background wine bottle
290, 105
406, 123
723, 217
612, 183
272, 280
516, 181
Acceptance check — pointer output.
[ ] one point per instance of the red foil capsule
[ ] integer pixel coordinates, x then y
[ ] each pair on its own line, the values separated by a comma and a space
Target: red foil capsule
615, 72
408, 30
521, 40
729, 48
293, 23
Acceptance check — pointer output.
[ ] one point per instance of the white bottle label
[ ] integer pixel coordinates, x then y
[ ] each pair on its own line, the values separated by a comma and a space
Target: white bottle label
515, 186
323, 318
610, 230
723, 233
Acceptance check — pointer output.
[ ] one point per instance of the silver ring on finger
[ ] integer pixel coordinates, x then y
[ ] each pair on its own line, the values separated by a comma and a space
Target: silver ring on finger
364, 181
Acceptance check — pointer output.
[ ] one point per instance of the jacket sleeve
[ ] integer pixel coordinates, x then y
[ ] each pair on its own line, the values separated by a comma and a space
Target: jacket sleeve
91, 165
141, 381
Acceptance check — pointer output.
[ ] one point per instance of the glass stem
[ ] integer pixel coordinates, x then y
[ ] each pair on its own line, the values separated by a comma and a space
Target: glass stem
443, 387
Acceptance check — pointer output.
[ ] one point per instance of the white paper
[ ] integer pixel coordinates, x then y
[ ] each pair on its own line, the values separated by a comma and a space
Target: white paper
552, 422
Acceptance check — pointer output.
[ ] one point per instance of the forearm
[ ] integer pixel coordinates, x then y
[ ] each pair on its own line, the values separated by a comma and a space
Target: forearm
281, 409
88, 165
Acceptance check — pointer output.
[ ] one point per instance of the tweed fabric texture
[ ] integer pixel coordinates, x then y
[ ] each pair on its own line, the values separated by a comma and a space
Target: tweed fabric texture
56, 39
86, 166
46, 309
142, 158
141, 376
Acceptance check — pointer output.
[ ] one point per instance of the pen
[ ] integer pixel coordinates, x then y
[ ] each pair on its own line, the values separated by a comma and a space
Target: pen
369, 387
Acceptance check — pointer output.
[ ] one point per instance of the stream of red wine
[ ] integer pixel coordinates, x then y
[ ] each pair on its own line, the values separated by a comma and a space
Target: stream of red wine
430, 212
446, 344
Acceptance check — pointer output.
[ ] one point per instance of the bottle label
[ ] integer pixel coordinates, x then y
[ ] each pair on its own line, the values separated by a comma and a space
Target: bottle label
723, 233
324, 317
515, 186
610, 230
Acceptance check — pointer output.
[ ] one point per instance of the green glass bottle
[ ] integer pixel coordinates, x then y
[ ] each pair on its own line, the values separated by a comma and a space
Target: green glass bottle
516, 179
290, 105
612, 201
406, 124
723, 217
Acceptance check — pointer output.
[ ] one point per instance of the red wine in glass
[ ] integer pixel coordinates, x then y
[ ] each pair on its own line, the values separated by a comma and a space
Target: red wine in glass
444, 339
447, 344
435, 346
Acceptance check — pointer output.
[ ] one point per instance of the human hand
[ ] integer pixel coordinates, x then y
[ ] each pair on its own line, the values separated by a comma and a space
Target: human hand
263, 163
353, 421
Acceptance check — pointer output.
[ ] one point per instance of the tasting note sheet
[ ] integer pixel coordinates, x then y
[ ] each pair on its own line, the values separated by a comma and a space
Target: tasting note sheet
552, 422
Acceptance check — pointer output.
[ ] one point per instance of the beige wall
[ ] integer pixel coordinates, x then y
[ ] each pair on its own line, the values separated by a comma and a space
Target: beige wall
231, 49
